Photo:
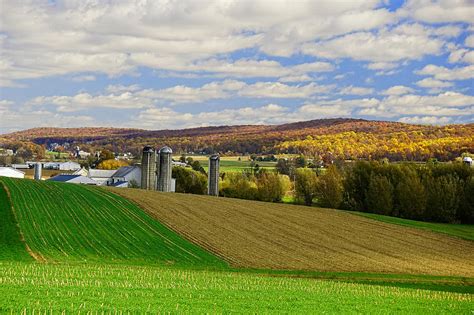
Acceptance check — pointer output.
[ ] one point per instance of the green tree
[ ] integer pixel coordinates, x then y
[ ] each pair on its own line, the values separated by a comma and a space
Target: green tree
444, 197
330, 188
410, 195
379, 197
270, 187
306, 183
189, 181
239, 185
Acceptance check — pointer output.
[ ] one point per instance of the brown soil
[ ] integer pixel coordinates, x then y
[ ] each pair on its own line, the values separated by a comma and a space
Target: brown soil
267, 235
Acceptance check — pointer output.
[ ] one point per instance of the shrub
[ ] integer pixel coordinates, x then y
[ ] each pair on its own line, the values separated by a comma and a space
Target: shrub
239, 185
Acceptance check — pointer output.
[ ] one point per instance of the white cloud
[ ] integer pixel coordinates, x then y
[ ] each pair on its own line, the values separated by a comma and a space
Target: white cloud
433, 83
83, 78
461, 55
469, 42
169, 36
279, 90
439, 11
426, 120
443, 73
356, 90
382, 65
397, 90
386, 46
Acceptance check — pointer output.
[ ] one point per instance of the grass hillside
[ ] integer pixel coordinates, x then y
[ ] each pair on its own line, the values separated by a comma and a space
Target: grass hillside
276, 236
66, 222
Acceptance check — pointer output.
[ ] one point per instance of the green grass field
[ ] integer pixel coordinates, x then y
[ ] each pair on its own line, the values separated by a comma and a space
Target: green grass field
67, 222
138, 289
232, 163
98, 252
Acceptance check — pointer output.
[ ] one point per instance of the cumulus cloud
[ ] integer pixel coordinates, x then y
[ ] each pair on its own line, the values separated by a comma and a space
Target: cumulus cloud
443, 73
439, 11
397, 90
356, 90
383, 47
433, 83
426, 120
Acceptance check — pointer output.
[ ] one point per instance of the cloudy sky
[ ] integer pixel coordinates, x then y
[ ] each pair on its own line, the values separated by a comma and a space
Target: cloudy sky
175, 64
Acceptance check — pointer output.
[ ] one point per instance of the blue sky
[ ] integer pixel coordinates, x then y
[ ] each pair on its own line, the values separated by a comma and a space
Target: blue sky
178, 64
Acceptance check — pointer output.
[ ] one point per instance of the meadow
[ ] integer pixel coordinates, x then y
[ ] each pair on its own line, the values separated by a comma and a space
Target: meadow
232, 163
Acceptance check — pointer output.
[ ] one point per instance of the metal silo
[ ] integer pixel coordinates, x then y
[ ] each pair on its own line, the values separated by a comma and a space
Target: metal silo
213, 175
164, 169
38, 168
148, 168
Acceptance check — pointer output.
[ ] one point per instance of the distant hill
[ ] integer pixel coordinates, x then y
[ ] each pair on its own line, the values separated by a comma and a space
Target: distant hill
327, 138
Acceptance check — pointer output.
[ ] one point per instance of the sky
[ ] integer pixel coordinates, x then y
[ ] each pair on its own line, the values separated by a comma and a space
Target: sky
165, 64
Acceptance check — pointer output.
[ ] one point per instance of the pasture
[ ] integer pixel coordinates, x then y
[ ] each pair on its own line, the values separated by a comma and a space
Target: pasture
232, 163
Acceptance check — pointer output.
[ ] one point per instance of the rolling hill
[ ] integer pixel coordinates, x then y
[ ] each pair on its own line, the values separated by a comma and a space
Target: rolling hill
263, 235
328, 138
65, 222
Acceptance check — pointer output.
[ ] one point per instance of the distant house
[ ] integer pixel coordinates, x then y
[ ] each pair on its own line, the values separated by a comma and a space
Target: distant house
102, 177
62, 166
11, 172
127, 174
69, 166
73, 179
21, 166
467, 160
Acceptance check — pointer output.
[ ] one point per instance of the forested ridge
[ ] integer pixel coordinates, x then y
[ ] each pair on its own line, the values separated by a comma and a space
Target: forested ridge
326, 138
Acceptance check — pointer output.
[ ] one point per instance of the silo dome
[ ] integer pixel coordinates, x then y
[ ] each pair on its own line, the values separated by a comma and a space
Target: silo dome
166, 150
148, 149
214, 157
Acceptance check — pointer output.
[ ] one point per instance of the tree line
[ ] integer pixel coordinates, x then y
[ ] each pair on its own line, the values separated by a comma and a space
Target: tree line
438, 192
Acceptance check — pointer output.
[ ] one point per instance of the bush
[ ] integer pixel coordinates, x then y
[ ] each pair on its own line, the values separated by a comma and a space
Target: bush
379, 197
330, 188
306, 182
190, 181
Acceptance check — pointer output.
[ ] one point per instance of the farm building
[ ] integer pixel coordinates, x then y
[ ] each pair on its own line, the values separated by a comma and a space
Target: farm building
21, 166
102, 177
73, 179
467, 160
11, 172
127, 174
62, 166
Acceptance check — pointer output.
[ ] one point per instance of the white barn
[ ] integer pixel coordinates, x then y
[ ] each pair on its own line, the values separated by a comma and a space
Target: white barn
127, 174
11, 172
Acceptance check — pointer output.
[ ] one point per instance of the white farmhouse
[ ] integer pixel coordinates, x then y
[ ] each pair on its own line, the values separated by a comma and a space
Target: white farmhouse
11, 172
103, 177
127, 174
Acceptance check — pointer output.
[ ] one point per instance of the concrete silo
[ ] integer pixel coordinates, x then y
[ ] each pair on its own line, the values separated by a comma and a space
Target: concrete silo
164, 169
148, 168
213, 175
38, 169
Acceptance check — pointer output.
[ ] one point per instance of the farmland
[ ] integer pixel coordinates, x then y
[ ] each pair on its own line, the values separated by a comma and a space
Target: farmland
277, 236
96, 251
233, 163
65, 222
83, 288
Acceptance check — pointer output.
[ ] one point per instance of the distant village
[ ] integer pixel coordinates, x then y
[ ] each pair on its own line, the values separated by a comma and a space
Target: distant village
151, 171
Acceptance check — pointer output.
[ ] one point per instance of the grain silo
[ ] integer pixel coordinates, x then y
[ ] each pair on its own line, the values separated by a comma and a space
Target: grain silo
213, 175
164, 169
38, 168
148, 168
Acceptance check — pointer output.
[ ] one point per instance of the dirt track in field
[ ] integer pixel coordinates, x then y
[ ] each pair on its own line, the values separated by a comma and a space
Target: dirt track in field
277, 236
